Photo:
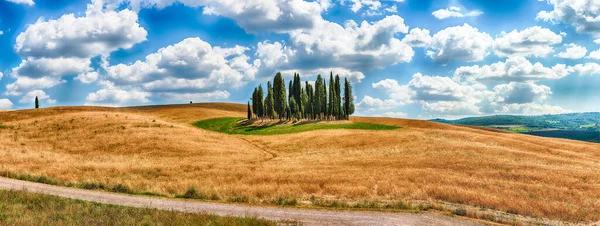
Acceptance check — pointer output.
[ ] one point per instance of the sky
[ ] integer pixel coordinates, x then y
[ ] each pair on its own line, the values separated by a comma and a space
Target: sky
405, 58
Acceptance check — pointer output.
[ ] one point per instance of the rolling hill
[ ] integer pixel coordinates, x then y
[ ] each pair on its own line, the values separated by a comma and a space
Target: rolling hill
575, 126
155, 150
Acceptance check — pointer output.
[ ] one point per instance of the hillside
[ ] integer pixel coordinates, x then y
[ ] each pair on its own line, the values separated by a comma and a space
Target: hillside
576, 126
156, 150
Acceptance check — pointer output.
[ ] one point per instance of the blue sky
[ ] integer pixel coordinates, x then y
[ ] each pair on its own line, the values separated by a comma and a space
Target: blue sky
406, 58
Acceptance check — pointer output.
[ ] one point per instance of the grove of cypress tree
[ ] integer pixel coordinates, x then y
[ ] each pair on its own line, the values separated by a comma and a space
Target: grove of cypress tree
37, 103
279, 95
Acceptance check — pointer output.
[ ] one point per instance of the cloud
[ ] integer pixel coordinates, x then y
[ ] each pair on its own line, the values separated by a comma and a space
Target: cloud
534, 41
353, 76
594, 55
88, 77
417, 38
581, 14
513, 69
355, 47
455, 12
52, 67
41, 95
374, 104
394, 114
460, 43
191, 69
59, 47
96, 33
26, 2
1, 75
26, 84
195, 97
190, 65
252, 16
117, 97
573, 52
521, 93
401, 94
443, 96
5, 104
585, 69
372, 7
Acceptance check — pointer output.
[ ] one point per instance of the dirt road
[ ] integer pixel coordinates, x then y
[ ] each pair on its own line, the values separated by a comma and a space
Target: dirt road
307, 217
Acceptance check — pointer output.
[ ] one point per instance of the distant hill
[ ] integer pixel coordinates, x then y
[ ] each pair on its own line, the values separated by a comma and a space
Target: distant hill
577, 126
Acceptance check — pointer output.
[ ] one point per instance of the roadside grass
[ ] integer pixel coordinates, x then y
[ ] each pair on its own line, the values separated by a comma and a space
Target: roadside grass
231, 126
22, 208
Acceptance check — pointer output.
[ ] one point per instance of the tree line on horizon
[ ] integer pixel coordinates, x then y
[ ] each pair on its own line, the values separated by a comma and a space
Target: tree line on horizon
302, 102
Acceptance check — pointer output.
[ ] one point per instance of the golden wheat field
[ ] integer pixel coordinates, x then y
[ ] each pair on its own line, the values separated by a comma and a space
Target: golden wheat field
156, 149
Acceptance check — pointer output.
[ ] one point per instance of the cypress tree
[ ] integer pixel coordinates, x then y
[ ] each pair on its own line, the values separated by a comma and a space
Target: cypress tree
348, 99
279, 95
249, 111
269, 103
298, 91
331, 96
293, 108
260, 107
323, 95
309, 105
318, 100
37, 103
303, 103
338, 98
254, 102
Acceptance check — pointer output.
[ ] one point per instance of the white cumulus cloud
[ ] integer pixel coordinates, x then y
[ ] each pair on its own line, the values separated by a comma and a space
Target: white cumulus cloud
460, 43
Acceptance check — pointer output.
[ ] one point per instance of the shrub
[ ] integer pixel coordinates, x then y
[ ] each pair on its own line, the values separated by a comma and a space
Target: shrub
120, 188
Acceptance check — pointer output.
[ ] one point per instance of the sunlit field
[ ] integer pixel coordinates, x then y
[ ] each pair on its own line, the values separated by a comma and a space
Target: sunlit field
157, 150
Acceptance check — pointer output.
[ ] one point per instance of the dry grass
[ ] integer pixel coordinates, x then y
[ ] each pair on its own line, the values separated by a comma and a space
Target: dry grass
155, 149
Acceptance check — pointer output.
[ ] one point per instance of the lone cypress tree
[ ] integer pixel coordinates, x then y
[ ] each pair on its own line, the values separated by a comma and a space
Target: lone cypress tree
279, 95
37, 103
249, 111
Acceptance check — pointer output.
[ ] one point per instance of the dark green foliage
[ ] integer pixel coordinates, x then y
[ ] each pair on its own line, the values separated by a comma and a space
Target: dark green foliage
37, 102
297, 88
318, 98
331, 108
348, 99
260, 109
279, 95
269, 102
309, 106
338, 98
294, 109
249, 111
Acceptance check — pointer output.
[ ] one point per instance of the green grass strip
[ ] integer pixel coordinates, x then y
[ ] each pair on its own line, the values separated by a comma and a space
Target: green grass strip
231, 126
